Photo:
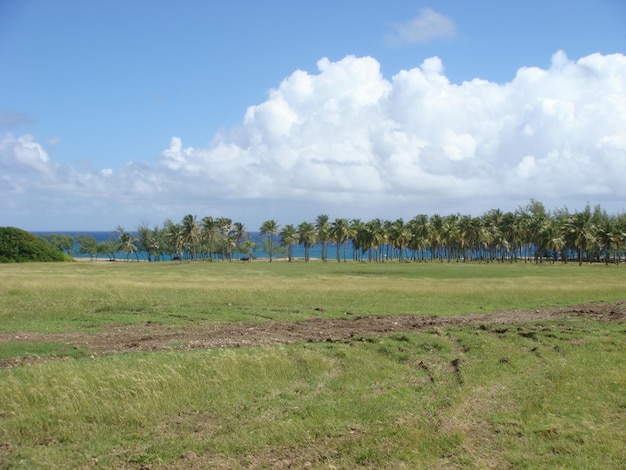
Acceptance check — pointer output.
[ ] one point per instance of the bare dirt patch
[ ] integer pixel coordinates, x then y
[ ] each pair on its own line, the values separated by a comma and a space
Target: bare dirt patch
149, 337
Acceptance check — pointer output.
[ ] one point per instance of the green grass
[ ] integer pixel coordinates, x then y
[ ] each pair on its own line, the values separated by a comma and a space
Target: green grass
529, 395
559, 399
76, 296
535, 396
24, 349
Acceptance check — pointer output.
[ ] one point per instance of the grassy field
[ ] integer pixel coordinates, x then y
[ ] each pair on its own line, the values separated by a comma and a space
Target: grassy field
83, 295
526, 395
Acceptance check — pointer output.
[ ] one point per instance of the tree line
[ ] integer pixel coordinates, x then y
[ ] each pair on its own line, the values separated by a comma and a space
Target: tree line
528, 233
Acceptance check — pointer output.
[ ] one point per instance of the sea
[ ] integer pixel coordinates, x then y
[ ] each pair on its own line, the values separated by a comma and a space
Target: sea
297, 250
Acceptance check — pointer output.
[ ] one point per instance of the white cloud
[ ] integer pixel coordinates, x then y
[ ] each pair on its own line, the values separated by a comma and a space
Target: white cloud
348, 142
22, 154
425, 27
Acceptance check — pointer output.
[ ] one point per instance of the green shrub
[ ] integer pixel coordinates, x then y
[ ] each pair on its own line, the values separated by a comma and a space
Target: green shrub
18, 246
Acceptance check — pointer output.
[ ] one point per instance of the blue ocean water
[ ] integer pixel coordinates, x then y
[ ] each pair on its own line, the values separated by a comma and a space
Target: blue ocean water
297, 250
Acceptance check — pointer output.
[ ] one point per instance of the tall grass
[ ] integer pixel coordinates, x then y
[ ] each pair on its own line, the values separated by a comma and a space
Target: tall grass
73, 296
540, 395
530, 396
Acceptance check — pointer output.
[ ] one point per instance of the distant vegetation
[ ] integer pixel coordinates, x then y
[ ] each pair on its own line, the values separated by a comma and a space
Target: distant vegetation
530, 232
18, 246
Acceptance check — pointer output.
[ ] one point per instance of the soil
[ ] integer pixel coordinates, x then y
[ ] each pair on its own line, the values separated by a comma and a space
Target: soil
149, 336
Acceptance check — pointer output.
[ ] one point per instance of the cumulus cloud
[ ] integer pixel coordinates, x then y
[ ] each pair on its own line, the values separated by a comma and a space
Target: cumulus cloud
427, 26
22, 155
349, 142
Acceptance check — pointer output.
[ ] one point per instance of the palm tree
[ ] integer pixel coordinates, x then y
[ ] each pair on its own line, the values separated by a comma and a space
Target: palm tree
224, 226
399, 237
536, 220
239, 233
174, 236
435, 236
553, 240
323, 234
386, 228
464, 237
288, 238
492, 221
559, 219
449, 234
482, 237
379, 239
269, 229
209, 234
150, 241
510, 231
606, 238
191, 234
228, 244
418, 226
580, 233
156, 243
127, 243
619, 236
356, 227
339, 233
307, 236
370, 236
143, 240
520, 225
362, 241
247, 248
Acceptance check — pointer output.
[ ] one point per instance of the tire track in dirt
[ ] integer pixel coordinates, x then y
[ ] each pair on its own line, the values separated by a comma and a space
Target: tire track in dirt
157, 337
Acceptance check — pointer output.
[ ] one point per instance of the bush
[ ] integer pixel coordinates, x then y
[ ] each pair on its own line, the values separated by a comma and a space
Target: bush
19, 246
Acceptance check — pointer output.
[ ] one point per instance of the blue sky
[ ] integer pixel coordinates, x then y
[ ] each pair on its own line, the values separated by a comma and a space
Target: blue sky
120, 113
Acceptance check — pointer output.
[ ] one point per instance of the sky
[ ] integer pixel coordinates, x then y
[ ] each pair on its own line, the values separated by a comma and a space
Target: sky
128, 113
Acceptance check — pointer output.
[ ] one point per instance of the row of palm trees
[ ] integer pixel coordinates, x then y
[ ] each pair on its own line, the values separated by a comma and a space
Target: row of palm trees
529, 233
192, 239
